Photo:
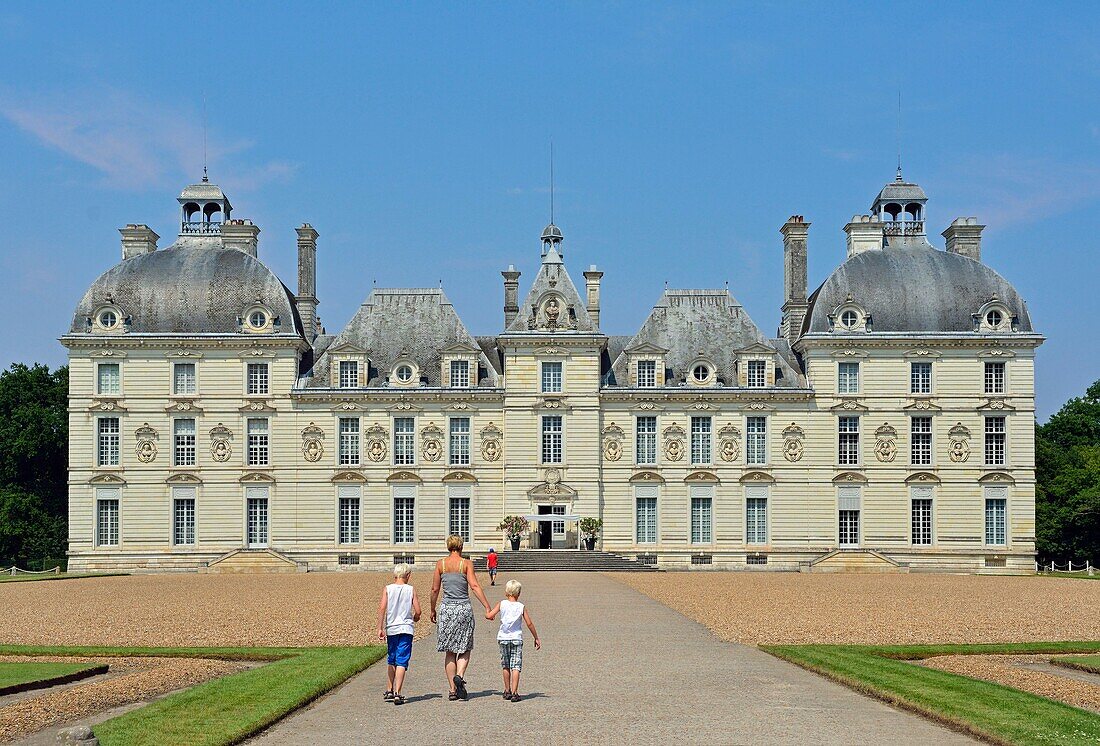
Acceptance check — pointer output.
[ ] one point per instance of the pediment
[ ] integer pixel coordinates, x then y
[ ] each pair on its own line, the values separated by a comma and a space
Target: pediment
551, 489
849, 477
923, 353
404, 475
701, 477
256, 477
459, 347
183, 354
996, 477
848, 405
184, 406
848, 353
997, 353
260, 406
996, 404
756, 476
460, 476
646, 348
348, 476
106, 405
922, 477
553, 404
922, 405
347, 348
112, 479
255, 352
756, 348
647, 476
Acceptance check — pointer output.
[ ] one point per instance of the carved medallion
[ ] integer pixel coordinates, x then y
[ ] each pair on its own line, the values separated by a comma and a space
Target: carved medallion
613, 442
220, 449
312, 446
146, 443
377, 437
490, 442
729, 438
886, 447
793, 436
432, 439
960, 443
674, 442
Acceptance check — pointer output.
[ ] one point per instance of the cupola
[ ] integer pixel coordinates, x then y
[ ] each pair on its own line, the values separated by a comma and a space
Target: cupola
551, 241
203, 208
900, 208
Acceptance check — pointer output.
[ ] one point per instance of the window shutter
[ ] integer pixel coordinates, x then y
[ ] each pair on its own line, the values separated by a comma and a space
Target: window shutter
848, 498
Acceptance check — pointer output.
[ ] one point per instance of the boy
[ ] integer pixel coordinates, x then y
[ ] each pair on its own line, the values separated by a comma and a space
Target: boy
397, 611
491, 563
513, 614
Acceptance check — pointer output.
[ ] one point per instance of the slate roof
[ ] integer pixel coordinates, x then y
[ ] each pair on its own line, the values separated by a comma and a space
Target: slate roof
188, 290
900, 191
414, 323
913, 289
553, 278
204, 191
687, 322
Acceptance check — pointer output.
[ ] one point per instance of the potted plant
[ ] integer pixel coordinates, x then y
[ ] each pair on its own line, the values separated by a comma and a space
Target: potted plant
514, 526
590, 527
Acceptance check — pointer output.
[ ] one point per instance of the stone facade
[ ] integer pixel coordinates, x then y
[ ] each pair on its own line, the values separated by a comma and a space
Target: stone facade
892, 415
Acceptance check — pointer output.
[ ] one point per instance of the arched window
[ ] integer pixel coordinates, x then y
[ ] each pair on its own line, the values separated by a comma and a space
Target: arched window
913, 211
893, 209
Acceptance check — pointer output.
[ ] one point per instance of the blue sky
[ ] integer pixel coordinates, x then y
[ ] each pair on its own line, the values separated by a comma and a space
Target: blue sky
415, 137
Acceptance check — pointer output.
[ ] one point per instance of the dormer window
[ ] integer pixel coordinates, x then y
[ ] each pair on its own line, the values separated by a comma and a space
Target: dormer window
404, 373
257, 319
460, 373
994, 318
757, 373
849, 319
108, 319
701, 373
647, 373
349, 374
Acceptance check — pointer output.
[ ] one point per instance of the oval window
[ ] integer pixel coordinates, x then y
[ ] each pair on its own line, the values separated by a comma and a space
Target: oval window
994, 318
257, 319
849, 319
108, 319
404, 373
700, 373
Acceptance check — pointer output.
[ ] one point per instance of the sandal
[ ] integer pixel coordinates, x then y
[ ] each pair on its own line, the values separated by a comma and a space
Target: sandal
507, 694
514, 698
398, 699
451, 697
460, 688
388, 695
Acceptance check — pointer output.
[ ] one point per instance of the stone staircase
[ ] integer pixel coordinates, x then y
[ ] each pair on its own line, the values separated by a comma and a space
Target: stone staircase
253, 561
563, 560
854, 560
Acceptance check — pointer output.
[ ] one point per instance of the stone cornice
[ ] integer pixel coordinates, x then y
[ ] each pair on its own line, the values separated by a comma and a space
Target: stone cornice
683, 395
910, 341
174, 342
420, 396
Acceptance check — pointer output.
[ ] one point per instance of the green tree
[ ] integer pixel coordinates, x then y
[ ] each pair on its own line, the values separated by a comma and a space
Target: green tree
1067, 467
28, 534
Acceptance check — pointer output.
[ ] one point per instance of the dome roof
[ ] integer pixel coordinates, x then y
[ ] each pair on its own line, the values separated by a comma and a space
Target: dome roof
204, 190
551, 231
913, 289
186, 290
900, 191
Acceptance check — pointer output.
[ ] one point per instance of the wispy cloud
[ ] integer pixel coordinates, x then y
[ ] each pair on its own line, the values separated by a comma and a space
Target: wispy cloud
133, 142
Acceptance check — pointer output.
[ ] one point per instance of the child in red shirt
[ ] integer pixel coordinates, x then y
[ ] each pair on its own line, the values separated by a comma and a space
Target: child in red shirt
491, 562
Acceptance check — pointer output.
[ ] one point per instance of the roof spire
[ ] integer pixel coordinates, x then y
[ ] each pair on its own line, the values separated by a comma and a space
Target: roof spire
898, 178
551, 181
551, 234
205, 177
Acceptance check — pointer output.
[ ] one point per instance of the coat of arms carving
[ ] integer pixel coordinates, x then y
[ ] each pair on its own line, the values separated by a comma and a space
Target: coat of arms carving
674, 442
960, 443
490, 442
376, 442
220, 448
613, 442
729, 442
793, 435
312, 446
146, 443
432, 438
886, 447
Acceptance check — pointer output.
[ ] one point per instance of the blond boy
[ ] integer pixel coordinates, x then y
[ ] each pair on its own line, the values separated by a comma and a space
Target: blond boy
398, 609
513, 615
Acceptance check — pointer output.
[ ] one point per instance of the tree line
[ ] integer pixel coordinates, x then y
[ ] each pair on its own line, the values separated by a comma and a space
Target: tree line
34, 431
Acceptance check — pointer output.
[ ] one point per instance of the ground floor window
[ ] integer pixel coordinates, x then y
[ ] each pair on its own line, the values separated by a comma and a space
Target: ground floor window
702, 500
458, 511
921, 516
106, 519
558, 527
645, 514
257, 523
996, 508
350, 512
183, 516
848, 510
404, 514
756, 514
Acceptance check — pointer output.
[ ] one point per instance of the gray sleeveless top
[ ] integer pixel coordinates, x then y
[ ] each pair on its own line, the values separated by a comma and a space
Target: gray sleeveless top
455, 586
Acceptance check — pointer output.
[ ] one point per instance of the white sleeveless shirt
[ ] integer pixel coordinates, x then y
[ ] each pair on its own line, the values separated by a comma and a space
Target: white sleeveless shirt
399, 609
511, 621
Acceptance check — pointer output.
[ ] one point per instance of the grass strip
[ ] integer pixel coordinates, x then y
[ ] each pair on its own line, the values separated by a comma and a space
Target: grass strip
23, 677
1089, 663
229, 709
60, 576
992, 712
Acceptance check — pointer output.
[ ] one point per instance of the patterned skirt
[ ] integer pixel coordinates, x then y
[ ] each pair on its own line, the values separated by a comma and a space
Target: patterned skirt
455, 632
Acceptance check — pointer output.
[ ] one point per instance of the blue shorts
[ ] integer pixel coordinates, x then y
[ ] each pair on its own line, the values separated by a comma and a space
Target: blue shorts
400, 650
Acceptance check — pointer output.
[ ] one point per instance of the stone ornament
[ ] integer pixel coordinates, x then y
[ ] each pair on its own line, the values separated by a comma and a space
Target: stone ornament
312, 447
674, 442
552, 477
377, 437
553, 314
490, 442
220, 449
729, 438
793, 436
146, 445
886, 447
613, 442
432, 439
960, 443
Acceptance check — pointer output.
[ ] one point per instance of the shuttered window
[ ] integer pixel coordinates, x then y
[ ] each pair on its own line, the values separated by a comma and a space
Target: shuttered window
183, 378
108, 379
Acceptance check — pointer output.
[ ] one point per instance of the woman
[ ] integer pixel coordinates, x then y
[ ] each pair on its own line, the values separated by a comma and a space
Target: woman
455, 575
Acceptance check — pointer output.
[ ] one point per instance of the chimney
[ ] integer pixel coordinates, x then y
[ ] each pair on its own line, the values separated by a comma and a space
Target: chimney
794, 231
964, 236
864, 234
592, 289
511, 294
242, 235
306, 299
137, 239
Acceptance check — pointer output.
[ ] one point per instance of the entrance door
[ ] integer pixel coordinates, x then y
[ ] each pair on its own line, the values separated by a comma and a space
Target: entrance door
546, 528
257, 517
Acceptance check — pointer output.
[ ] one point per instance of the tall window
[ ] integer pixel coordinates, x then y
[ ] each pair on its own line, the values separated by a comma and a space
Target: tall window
106, 522
920, 441
995, 514
848, 441
183, 442
350, 506
920, 378
646, 439
756, 514
460, 441
557, 527
107, 446
756, 374
183, 519
645, 514
348, 447
701, 518
995, 378
700, 440
108, 379
183, 378
551, 378
404, 441
922, 516
647, 373
349, 374
551, 439
995, 436
756, 440
848, 507
404, 514
847, 381
460, 374
458, 511
258, 445
257, 378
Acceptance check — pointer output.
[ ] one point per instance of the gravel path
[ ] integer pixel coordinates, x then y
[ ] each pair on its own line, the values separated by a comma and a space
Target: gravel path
796, 608
1029, 673
616, 667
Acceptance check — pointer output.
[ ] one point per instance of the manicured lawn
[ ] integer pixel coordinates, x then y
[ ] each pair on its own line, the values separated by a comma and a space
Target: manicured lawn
59, 576
1090, 663
992, 712
20, 676
1084, 575
232, 708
